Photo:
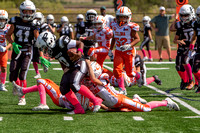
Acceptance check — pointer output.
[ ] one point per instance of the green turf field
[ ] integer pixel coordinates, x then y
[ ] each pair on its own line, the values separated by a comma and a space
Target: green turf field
22, 119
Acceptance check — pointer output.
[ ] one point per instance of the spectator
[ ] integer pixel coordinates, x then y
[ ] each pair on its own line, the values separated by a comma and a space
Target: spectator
109, 18
162, 32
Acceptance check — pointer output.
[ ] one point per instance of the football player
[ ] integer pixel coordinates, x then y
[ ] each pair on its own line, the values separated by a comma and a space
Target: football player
79, 26
89, 31
102, 35
65, 28
73, 65
38, 21
183, 37
24, 32
4, 27
51, 25
113, 99
147, 38
108, 18
47, 86
196, 39
125, 37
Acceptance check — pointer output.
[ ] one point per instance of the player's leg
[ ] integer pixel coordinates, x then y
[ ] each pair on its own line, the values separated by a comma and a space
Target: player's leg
142, 49
35, 61
129, 61
3, 64
166, 44
188, 69
117, 70
148, 50
196, 71
153, 79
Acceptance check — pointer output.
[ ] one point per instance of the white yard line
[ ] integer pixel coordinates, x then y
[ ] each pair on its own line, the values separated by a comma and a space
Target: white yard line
68, 118
138, 118
175, 99
1, 118
191, 117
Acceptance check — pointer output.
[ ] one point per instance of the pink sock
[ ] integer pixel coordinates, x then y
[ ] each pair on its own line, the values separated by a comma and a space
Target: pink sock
183, 76
87, 93
30, 89
149, 51
155, 104
137, 76
3, 77
188, 70
72, 98
17, 81
150, 80
36, 67
42, 93
143, 51
23, 83
120, 82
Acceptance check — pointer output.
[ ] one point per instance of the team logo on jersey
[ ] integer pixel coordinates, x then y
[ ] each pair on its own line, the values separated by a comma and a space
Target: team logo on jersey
125, 29
114, 28
101, 34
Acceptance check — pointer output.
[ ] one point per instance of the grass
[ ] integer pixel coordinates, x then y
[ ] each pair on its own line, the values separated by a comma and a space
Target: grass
22, 119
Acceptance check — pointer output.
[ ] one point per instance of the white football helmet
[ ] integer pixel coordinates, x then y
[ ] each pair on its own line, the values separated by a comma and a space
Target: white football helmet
146, 20
90, 15
46, 40
198, 14
39, 16
80, 16
64, 19
124, 11
186, 13
96, 69
27, 5
3, 15
50, 19
99, 20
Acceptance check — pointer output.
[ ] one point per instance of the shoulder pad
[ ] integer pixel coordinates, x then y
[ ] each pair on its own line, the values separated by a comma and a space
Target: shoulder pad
148, 25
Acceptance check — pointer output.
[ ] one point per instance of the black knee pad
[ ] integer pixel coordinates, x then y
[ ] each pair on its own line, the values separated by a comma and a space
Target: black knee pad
195, 68
64, 90
178, 68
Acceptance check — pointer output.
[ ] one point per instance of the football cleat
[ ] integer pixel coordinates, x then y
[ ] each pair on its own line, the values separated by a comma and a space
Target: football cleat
145, 58
123, 92
198, 90
41, 107
37, 76
190, 85
150, 59
3, 87
97, 104
22, 101
157, 80
195, 87
172, 105
45, 68
136, 96
17, 90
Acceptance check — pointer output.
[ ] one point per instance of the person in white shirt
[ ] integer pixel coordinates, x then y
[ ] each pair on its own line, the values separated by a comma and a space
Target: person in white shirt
109, 18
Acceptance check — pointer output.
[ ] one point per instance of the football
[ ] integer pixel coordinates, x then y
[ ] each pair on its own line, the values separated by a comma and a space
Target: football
71, 51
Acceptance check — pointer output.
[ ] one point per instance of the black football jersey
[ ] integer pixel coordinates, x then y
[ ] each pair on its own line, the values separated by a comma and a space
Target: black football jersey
184, 31
89, 31
59, 52
147, 27
23, 32
66, 30
80, 29
196, 27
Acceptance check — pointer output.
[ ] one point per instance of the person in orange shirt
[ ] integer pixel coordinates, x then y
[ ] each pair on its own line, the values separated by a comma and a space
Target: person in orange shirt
125, 37
102, 35
4, 27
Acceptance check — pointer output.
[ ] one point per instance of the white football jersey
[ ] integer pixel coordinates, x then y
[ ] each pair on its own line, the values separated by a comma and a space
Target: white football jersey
3, 33
109, 19
122, 34
103, 37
